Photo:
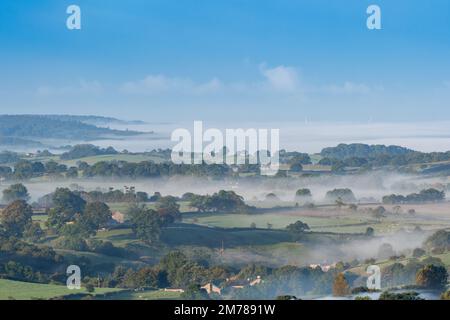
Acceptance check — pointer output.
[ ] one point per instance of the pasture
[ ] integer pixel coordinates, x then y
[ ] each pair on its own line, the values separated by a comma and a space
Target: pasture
19, 290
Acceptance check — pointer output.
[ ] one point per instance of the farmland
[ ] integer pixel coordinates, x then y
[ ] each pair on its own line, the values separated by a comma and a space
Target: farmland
18, 290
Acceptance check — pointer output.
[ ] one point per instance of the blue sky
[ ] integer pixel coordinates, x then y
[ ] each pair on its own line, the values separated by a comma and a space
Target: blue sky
227, 60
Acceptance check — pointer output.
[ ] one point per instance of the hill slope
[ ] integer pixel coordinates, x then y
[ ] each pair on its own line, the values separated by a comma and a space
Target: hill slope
37, 126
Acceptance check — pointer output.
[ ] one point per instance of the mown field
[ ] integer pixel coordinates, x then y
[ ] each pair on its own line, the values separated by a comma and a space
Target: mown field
25, 291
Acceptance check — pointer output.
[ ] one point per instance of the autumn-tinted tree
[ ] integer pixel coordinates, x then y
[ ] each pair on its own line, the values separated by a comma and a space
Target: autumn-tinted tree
168, 209
432, 277
340, 286
16, 217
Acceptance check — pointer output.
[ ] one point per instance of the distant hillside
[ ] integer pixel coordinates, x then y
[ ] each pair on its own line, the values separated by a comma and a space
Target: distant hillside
14, 141
344, 151
55, 127
9, 157
94, 120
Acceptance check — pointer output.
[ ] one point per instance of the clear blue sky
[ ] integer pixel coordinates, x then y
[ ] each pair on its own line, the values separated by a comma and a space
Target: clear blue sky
227, 59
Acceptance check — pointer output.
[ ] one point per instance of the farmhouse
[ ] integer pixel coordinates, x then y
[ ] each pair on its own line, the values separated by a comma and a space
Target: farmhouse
118, 216
212, 288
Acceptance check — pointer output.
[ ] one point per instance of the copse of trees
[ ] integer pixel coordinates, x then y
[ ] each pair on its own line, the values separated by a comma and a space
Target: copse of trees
376, 155
397, 273
344, 194
23, 261
118, 196
86, 150
130, 195
343, 151
297, 229
303, 194
287, 280
339, 165
222, 201
24, 170
168, 210
438, 240
407, 296
427, 195
67, 205
75, 219
15, 192
145, 223
96, 215
432, 277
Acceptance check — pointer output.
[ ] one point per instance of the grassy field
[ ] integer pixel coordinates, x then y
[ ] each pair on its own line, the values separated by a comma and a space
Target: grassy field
190, 234
25, 291
184, 234
329, 219
282, 253
145, 295
280, 220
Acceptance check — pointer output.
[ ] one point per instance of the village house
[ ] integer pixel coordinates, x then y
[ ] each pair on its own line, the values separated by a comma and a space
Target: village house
212, 288
118, 216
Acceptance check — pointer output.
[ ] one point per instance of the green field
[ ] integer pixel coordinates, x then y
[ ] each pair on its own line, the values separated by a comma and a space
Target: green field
336, 222
181, 234
145, 295
25, 290
279, 220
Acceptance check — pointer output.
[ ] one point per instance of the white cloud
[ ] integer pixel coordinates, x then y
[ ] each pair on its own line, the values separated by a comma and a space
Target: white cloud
281, 78
279, 81
83, 87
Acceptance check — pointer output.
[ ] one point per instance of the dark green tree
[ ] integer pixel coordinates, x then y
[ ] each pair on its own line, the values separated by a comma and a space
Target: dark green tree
297, 229
95, 216
15, 192
145, 223
67, 206
194, 292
